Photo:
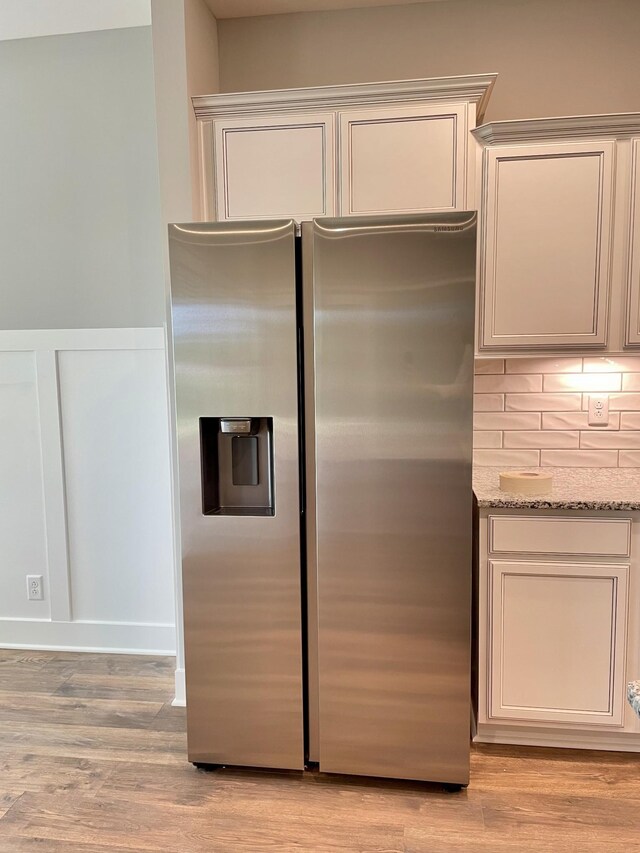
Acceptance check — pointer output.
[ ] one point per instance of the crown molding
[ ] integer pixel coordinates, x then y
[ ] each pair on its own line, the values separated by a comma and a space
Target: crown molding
474, 88
615, 125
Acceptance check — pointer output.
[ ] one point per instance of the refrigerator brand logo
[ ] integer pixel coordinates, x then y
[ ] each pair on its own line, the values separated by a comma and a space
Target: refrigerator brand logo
447, 228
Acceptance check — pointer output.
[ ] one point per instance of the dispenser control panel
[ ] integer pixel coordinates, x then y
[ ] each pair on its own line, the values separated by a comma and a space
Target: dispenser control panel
236, 426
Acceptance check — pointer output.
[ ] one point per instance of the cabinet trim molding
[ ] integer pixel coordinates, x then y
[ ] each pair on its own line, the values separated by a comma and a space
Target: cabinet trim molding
632, 324
473, 88
206, 143
557, 737
618, 125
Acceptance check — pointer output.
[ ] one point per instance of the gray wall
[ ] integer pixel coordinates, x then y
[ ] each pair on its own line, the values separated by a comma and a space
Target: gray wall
554, 57
80, 232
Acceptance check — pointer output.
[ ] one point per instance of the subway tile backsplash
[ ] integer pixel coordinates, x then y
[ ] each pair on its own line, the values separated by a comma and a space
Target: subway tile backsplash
579, 458
579, 420
501, 383
506, 420
489, 365
630, 420
488, 402
533, 412
543, 402
537, 439
540, 365
528, 458
600, 383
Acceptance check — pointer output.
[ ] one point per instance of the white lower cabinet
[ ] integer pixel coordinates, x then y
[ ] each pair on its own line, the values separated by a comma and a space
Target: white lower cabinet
557, 642
558, 629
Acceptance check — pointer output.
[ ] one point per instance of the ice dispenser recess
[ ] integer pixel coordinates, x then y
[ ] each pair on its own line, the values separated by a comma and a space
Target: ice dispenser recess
237, 466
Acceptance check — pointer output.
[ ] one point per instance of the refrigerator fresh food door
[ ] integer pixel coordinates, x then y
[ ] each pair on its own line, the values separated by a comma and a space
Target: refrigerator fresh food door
235, 348
394, 319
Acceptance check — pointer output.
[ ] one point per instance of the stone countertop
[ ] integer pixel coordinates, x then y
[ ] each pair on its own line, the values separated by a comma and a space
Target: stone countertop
573, 488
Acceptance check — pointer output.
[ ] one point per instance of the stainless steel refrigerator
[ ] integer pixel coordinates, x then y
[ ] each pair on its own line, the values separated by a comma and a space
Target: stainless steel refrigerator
324, 415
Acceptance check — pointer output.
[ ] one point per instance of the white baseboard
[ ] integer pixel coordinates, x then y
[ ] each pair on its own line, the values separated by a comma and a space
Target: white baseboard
112, 637
560, 739
180, 700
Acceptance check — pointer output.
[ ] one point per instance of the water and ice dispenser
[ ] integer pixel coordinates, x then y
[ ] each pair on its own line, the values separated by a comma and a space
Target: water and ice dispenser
237, 466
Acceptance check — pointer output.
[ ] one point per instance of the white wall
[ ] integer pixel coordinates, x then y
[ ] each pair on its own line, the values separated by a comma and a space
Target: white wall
80, 236
201, 50
553, 58
84, 447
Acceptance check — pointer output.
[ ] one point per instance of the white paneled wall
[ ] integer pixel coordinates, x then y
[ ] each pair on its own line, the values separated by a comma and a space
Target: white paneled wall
85, 490
22, 523
533, 412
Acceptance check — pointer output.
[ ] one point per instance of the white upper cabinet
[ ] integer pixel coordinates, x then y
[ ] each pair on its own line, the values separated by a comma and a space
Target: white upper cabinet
555, 213
545, 264
280, 166
633, 290
410, 159
373, 148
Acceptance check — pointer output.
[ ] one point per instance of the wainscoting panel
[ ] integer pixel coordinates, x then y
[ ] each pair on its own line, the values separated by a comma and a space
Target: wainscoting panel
22, 523
116, 463
84, 466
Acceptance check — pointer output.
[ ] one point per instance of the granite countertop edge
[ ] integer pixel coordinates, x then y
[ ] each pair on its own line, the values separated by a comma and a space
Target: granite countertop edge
598, 489
546, 502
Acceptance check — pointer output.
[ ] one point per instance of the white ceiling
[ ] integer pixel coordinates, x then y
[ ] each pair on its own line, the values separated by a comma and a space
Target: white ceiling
249, 8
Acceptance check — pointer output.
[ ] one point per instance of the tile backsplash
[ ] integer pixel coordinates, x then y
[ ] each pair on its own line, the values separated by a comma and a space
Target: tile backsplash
533, 412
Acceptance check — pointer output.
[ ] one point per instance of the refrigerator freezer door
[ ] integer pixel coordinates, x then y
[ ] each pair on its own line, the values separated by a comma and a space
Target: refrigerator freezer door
235, 341
394, 311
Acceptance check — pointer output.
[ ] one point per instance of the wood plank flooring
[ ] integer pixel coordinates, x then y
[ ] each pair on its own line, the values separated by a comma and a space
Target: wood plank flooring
93, 760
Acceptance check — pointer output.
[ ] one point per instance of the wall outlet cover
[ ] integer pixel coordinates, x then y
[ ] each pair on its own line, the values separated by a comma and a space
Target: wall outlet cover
598, 409
35, 591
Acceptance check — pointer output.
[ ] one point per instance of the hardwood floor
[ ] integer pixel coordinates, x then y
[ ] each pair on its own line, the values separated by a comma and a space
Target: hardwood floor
93, 760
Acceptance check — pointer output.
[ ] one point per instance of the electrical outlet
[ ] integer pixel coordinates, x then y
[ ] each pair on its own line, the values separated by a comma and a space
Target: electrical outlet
598, 409
34, 588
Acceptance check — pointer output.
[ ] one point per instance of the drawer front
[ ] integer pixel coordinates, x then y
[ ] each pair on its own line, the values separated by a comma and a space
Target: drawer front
589, 537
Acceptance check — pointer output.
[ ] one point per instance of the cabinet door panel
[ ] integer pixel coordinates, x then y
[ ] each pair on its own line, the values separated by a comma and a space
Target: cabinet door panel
558, 633
545, 261
280, 166
403, 160
633, 305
